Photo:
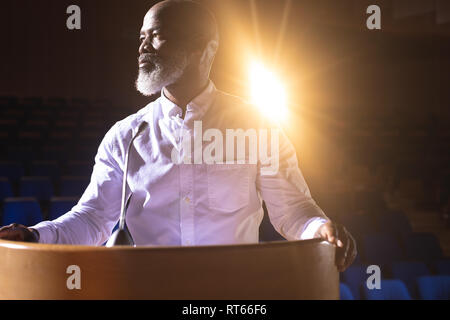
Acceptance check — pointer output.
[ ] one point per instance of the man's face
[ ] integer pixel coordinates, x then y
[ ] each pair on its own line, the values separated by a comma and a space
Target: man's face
162, 57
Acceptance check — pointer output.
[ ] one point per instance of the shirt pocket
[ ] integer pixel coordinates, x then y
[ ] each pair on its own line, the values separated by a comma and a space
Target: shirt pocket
228, 187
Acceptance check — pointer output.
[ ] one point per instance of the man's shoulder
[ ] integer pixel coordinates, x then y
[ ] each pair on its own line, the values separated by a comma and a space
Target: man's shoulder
133, 120
124, 128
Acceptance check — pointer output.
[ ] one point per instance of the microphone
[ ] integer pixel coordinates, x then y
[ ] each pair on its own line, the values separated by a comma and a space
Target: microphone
122, 236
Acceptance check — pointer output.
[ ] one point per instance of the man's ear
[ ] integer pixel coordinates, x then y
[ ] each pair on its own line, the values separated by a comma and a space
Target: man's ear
210, 51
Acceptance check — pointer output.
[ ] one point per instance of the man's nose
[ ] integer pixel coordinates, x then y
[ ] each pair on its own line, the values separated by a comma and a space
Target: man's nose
146, 47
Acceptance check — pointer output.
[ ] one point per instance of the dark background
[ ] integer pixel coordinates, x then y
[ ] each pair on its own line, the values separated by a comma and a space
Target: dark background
351, 90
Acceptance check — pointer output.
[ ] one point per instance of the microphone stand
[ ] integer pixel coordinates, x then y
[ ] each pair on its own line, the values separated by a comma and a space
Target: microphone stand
122, 236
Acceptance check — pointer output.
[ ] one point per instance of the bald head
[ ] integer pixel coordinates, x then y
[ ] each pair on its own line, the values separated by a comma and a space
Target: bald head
188, 20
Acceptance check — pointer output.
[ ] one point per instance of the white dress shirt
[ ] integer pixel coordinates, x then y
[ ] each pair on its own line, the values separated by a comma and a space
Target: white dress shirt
187, 203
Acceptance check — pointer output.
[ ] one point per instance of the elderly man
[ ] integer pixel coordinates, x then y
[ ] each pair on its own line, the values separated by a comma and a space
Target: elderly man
179, 198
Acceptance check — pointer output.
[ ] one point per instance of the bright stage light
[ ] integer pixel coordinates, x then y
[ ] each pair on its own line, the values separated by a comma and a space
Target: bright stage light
267, 93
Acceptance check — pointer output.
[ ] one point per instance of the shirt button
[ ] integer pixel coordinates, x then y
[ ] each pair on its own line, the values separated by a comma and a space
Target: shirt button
187, 200
188, 242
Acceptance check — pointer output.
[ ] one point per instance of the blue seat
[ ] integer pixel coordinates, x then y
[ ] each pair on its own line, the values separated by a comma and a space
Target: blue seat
21, 210
60, 206
345, 292
442, 267
5, 188
45, 169
39, 187
12, 170
73, 186
382, 249
423, 247
392, 289
434, 287
408, 272
354, 277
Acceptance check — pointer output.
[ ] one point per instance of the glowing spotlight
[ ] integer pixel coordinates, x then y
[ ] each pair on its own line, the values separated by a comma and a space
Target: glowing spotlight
267, 93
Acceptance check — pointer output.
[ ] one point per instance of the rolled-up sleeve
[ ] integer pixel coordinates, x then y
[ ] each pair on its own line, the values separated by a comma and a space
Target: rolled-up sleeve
91, 221
291, 209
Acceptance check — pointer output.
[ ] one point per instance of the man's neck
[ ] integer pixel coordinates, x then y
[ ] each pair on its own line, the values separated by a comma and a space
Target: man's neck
182, 94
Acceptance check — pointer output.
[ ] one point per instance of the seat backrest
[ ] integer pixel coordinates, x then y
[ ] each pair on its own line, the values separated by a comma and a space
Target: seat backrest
60, 206
345, 292
22, 210
5, 188
408, 272
434, 287
354, 277
391, 289
39, 187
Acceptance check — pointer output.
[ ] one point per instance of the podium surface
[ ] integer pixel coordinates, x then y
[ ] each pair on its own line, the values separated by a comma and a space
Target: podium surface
273, 270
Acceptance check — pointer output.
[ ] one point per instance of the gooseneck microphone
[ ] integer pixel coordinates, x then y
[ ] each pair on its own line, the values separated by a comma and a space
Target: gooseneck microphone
122, 236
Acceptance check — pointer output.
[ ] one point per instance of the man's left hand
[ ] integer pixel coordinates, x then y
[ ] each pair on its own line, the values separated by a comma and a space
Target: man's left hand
337, 235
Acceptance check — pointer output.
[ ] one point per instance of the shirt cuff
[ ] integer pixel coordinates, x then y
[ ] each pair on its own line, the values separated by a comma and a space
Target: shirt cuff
311, 228
46, 231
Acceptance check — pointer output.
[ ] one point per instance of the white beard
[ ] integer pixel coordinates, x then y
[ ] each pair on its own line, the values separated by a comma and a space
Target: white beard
163, 74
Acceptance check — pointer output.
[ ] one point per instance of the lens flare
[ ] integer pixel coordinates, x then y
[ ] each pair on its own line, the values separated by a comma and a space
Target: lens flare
267, 93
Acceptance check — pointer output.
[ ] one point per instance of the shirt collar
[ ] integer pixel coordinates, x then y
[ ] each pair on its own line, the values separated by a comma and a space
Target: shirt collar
199, 105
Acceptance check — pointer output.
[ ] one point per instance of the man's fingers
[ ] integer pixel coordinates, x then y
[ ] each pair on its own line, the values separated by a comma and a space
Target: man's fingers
348, 255
11, 232
330, 233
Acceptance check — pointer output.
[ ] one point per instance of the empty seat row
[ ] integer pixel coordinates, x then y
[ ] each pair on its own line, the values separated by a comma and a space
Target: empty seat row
428, 288
43, 188
355, 277
27, 211
64, 150
15, 170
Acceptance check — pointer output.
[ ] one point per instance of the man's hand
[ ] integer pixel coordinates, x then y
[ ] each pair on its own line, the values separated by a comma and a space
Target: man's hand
18, 232
337, 235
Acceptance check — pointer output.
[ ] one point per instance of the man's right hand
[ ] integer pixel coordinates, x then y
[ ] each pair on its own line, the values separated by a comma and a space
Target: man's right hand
18, 232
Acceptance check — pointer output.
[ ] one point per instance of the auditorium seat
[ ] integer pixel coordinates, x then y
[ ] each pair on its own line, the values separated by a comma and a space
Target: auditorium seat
434, 287
382, 249
60, 205
423, 246
442, 267
73, 186
5, 188
38, 187
45, 169
22, 210
391, 289
344, 292
408, 272
12, 170
354, 277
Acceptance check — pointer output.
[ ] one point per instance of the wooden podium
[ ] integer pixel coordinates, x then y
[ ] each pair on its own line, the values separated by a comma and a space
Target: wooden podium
273, 270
